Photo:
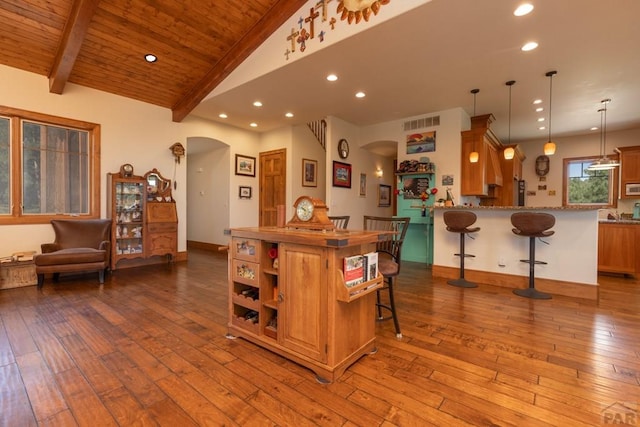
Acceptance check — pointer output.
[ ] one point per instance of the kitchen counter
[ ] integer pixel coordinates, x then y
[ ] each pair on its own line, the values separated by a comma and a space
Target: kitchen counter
620, 221
572, 252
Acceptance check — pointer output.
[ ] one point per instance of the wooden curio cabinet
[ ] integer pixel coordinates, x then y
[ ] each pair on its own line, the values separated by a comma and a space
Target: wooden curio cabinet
145, 220
161, 217
125, 207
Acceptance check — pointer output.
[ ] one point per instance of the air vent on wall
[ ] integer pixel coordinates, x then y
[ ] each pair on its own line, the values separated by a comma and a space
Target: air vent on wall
423, 122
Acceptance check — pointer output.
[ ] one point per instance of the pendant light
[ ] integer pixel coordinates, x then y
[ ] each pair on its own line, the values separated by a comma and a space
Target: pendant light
550, 146
603, 163
509, 152
474, 156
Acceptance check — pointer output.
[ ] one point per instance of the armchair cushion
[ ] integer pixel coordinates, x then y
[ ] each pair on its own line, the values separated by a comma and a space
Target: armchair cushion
79, 245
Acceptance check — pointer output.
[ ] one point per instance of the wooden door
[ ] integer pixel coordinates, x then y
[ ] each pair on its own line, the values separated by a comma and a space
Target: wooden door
302, 311
273, 174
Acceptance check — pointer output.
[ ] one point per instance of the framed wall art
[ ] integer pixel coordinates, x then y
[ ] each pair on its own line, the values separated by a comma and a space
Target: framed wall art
309, 173
421, 142
341, 174
245, 165
363, 184
244, 192
384, 195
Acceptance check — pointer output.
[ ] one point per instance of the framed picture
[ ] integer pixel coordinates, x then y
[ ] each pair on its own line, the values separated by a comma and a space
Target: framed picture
245, 192
421, 142
341, 174
384, 195
363, 184
245, 165
309, 173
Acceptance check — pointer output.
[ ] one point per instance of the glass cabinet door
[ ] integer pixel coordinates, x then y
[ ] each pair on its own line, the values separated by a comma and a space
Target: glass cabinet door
129, 204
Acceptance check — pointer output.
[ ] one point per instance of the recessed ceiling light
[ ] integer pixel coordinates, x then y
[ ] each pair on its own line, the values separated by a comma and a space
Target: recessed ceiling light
332, 77
222, 115
542, 127
529, 46
539, 110
257, 104
360, 95
523, 9
253, 125
150, 58
537, 101
594, 128
289, 115
541, 119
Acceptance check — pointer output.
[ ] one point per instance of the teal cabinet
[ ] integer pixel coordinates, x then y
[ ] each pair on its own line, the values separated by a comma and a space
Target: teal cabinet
418, 243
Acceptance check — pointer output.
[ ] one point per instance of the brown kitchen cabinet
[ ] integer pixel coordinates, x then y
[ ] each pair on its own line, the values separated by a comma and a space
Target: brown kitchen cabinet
300, 307
619, 247
629, 171
483, 177
511, 174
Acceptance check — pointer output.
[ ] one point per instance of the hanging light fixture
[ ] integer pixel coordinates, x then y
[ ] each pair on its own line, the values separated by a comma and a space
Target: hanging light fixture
474, 156
550, 146
603, 163
509, 152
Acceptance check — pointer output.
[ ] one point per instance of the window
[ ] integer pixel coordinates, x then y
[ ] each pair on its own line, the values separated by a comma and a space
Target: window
583, 187
49, 166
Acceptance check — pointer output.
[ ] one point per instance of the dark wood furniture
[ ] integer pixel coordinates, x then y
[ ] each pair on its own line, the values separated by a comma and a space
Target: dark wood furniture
79, 245
389, 248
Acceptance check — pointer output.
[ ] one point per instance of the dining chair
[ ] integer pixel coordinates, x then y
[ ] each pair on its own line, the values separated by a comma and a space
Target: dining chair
341, 222
389, 248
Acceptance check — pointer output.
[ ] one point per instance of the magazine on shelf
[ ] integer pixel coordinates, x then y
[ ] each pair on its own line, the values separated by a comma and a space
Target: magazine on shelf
371, 266
354, 270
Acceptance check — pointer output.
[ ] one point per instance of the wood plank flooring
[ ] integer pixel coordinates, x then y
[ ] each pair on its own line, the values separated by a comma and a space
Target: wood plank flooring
149, 348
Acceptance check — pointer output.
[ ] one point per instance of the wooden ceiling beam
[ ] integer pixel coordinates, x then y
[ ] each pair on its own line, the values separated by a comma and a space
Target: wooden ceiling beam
271, 21
71, 41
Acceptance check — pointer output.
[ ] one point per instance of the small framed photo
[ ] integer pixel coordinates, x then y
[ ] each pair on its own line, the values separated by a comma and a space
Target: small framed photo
341, 174
245, 165
309, 173
244, 192
363, 184
384, 195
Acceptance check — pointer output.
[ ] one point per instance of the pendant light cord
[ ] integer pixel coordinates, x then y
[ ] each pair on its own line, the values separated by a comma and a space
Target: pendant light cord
550, 94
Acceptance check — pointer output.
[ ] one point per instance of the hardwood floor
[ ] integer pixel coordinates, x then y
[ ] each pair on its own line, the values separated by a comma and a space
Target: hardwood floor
149, 348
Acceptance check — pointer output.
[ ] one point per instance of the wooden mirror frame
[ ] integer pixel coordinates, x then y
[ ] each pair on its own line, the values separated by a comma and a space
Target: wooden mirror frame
158, 187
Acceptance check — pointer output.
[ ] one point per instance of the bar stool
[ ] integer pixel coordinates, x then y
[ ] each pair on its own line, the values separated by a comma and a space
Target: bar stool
459, 222
532, 225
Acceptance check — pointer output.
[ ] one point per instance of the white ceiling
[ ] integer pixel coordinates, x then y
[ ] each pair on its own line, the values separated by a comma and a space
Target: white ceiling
429, 59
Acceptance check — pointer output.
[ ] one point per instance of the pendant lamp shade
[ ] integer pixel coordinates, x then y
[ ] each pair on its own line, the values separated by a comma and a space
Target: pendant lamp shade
603, 163
550, 146
509, 152
474, 155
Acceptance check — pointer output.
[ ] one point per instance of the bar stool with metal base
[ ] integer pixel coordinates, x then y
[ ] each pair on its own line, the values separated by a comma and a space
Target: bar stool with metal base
459, 222
532, 225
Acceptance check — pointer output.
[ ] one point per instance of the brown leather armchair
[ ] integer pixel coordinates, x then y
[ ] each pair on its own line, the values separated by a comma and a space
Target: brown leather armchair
80, 245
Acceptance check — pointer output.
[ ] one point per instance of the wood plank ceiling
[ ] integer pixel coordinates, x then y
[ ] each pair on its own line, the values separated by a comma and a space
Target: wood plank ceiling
102, 43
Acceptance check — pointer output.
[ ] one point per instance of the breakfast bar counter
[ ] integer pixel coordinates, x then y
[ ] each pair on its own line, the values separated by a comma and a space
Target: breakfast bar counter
571, 253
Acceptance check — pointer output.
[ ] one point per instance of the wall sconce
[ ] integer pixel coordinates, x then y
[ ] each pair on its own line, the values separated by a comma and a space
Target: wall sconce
379, 173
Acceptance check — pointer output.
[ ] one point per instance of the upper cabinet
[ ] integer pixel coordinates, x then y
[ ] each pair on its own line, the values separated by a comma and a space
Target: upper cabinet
629, 172
482, 177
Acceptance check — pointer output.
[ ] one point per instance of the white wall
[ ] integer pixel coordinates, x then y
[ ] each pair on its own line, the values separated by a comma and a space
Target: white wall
208, 207
448, 143
576, 146
131, 132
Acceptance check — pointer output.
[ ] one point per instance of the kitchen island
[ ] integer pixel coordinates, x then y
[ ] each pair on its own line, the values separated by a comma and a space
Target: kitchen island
571, 255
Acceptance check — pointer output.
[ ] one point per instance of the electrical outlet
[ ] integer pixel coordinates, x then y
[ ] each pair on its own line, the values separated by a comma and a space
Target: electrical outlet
502, 262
